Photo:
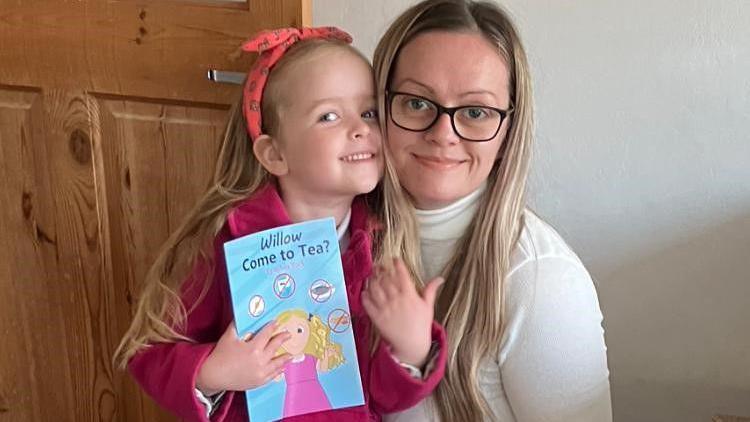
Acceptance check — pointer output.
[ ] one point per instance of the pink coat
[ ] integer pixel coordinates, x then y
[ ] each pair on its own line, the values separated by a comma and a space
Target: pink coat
167, 371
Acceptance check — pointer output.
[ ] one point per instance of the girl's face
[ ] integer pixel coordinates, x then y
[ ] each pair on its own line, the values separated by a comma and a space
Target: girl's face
329, 133
452, 69
299, 329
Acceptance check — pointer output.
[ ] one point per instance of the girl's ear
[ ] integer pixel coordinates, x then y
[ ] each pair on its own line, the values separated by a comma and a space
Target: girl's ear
266, 150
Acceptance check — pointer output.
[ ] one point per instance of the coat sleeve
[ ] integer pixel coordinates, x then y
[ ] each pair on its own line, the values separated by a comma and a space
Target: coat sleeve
392, 388
167, 371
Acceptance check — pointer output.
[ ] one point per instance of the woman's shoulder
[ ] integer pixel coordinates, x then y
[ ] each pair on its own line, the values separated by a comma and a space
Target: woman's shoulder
545, 271
549, 293
540, 241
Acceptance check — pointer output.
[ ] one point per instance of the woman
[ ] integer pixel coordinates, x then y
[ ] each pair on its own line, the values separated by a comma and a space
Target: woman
521, 312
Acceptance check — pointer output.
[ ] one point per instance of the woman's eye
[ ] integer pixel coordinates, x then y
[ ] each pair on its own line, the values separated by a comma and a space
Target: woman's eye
417, 104
329, 117
299, 330
475, 113
370, 114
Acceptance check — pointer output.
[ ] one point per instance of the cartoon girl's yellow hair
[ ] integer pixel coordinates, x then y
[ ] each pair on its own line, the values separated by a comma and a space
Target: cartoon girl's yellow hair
319, 339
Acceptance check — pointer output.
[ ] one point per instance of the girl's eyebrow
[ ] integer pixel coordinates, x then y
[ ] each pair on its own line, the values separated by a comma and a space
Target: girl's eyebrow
322, 101
328, 100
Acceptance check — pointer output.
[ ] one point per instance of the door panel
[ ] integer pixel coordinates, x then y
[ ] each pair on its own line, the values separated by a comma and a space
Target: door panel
108, 134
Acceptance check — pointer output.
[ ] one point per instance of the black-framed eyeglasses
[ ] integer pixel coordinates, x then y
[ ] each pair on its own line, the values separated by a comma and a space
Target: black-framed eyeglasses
474, 123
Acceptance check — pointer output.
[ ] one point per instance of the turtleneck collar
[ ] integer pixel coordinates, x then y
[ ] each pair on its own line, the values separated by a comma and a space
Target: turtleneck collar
449, 222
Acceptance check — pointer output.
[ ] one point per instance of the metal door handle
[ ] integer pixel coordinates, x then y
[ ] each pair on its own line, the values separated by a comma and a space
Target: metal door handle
223, 76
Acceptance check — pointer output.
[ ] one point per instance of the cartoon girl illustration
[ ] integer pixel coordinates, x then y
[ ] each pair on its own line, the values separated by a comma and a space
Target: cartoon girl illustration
312, 351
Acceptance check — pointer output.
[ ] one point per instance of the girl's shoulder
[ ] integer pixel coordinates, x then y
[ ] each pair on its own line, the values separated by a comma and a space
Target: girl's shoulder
262, 210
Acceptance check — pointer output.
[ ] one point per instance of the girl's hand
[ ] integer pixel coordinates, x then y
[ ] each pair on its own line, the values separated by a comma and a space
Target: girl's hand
242, 364
400, 313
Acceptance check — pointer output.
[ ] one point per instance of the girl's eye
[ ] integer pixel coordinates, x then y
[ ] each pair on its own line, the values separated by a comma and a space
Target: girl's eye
370, 114
299, 330
329, 117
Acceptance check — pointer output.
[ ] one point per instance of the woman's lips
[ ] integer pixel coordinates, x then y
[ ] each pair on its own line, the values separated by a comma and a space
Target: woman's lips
437, 163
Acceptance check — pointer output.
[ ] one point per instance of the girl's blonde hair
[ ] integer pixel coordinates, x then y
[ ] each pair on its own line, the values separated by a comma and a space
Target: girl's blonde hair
319, 339
471, 304
160, 314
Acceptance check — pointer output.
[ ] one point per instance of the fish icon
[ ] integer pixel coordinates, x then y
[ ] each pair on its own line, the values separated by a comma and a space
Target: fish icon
321, 291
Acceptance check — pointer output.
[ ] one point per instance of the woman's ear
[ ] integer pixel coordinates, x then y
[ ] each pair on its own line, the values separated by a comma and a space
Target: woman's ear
266, 150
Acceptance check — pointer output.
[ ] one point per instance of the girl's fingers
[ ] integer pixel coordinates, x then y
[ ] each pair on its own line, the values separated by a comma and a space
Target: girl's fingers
402, 277
273, 376
376, 293
262, 338
369, 305
430, 291
277, 341
390, 288
276, 365
231, 331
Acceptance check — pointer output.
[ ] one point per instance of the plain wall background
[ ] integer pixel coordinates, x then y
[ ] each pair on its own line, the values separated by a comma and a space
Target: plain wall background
643, 165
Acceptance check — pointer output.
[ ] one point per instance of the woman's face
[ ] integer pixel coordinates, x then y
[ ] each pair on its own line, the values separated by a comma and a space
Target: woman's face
452, 69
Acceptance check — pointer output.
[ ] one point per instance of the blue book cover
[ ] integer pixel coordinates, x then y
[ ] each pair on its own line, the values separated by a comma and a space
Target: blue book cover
293, 274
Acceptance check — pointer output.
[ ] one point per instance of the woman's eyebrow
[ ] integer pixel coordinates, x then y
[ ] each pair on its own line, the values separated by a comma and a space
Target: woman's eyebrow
433, 94
419, 84
478, 92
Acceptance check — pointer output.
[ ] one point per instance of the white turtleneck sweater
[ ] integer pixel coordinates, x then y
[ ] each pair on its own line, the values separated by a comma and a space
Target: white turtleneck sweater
552, 360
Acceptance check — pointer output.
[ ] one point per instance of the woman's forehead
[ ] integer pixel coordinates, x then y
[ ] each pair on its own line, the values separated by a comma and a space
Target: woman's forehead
451, 63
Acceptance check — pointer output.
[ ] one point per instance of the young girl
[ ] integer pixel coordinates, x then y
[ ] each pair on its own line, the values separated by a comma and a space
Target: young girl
314, 145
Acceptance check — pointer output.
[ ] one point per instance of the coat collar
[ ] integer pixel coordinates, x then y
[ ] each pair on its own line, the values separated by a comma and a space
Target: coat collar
265, 210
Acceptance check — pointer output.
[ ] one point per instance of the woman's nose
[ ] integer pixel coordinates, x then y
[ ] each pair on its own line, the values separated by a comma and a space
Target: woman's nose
441, 132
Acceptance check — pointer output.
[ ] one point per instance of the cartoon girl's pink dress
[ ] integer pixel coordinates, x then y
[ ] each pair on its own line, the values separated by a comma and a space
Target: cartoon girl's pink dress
304, 394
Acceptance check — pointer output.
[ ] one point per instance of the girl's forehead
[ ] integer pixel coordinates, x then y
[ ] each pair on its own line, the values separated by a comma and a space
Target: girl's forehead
334, 72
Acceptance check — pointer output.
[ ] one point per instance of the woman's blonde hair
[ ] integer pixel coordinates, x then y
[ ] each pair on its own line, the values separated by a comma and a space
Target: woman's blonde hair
160, 314
319, 339
471, 303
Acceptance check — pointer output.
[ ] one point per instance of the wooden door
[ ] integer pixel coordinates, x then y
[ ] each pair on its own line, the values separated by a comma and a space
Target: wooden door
108, 133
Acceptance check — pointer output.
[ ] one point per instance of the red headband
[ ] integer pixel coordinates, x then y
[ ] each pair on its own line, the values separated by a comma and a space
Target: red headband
271, 45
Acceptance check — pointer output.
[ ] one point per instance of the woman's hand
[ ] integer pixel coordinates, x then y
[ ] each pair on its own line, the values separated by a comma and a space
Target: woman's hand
242, 364
402, 316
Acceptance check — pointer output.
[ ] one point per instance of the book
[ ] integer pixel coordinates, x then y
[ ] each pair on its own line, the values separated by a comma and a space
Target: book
293, 274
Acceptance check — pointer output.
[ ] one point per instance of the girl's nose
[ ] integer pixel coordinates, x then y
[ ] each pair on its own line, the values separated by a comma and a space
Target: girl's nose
360, 129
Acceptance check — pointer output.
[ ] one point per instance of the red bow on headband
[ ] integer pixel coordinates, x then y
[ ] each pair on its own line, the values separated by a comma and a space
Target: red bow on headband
272, 45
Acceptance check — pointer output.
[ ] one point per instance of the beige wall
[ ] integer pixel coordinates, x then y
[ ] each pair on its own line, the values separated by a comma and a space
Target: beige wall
643, 164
